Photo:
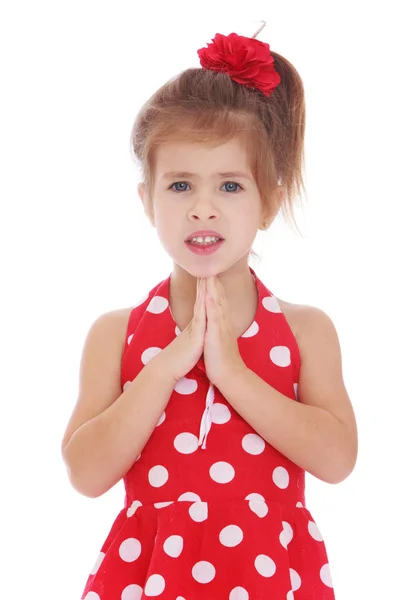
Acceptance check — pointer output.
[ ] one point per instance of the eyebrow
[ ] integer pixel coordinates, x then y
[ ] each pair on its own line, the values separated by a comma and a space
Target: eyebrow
182, 174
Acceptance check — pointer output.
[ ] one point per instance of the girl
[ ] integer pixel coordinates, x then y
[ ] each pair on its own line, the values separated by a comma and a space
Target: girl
212, 397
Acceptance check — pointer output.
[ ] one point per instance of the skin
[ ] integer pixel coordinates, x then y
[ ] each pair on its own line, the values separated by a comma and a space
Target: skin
229, 205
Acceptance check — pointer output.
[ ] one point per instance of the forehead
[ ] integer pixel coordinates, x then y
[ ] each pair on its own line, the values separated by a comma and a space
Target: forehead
202, 158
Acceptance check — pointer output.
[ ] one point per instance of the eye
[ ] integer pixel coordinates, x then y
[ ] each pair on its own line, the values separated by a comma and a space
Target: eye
178, 183
228, 183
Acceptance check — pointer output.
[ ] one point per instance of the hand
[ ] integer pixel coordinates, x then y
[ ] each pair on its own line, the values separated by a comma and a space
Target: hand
183, 353
221, 353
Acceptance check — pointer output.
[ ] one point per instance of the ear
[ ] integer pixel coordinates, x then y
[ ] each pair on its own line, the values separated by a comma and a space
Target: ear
270, 212
142, 193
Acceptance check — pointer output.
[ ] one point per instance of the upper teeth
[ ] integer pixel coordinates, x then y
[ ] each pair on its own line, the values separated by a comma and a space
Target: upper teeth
208, 238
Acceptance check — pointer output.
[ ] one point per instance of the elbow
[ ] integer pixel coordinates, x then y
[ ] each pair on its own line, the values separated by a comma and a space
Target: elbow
79, 480
340, 469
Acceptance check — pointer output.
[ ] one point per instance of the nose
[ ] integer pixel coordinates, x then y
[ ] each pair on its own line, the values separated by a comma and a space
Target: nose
203, 211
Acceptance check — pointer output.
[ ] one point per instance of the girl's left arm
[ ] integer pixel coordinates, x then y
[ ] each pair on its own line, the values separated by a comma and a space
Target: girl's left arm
319, 432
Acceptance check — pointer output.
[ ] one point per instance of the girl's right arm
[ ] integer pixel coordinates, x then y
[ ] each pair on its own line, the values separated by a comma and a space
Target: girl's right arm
108, 427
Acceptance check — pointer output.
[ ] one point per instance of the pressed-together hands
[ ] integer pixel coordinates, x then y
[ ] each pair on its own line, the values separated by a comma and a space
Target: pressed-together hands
210, 333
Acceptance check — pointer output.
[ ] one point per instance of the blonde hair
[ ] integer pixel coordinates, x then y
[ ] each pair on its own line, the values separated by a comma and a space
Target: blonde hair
201, 105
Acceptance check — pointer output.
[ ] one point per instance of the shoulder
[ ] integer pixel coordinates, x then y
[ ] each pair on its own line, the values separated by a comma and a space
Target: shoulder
112, 324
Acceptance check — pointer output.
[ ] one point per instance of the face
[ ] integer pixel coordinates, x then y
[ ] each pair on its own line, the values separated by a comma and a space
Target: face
205, 199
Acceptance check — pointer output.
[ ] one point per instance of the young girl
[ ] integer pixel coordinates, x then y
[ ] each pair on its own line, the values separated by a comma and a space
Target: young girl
212, 397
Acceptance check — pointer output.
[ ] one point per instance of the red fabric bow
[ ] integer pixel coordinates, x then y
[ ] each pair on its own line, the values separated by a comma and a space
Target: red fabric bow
246, 60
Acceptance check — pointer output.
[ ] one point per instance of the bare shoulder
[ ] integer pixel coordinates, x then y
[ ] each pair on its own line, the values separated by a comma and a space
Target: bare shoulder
100, 368
321, 380
293, 313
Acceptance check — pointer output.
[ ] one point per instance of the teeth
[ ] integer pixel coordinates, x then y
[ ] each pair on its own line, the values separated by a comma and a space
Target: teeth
209, 239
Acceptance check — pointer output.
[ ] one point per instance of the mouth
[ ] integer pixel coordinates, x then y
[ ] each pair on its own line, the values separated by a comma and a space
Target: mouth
204, 248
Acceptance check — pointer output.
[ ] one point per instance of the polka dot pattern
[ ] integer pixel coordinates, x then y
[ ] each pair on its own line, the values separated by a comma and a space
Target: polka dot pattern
231, 536
186, 443
220, 413
130, 549
203, 571
155, 585
225, 519
253, 444
173, 545
198, 511
222, 472
132, 592
265, 565
98, 562
239, 593
325, 576
158, 476
280, 477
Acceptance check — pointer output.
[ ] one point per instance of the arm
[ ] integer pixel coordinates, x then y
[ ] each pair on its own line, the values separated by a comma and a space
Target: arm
319, 432
108, 429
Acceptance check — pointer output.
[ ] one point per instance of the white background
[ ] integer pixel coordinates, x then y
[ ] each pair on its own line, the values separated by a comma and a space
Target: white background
75, 243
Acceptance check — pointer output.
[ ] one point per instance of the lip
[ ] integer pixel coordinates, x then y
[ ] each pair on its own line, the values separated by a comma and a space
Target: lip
204, 232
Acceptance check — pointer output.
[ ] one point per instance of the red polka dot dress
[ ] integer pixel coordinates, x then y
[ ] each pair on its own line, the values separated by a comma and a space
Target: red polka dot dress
212, 511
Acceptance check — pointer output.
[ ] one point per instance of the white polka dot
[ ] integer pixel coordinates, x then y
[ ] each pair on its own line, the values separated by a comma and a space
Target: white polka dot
173, 545
126, 385
259, 508
129, 340
203, 571
280, 477
186, 386
132, 592
157, 305
180, 598
149, 354
314, 531
222, 472
251, 331
141, 300
239, 593
255, 496
280, 356
130, 549
132, 509
158, 476
253, 444
155, 585
138, 457
220, 413
295, 580
198, 511
92, 596
97, 564
286, 535
161, 419
231, 536
265, 565
299, 505
271, 304
290, 596
325, 575
189, 497
177, 331
186, 443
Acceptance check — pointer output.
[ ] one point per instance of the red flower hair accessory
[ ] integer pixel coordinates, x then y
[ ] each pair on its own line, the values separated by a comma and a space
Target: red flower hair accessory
246, 60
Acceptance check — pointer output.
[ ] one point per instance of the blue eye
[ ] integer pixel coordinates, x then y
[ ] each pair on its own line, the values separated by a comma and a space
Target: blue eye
233, 183
228, 183
178, 183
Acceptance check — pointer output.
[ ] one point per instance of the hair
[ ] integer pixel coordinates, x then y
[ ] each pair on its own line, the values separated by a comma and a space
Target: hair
201, 105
